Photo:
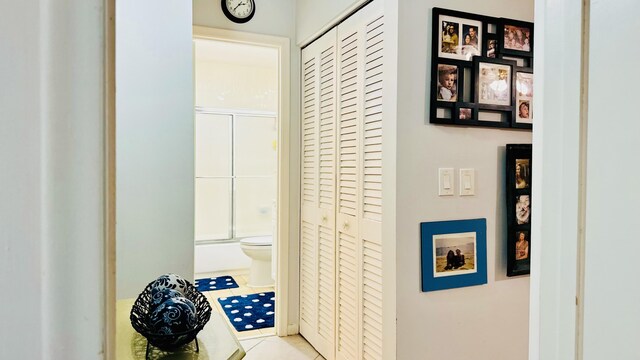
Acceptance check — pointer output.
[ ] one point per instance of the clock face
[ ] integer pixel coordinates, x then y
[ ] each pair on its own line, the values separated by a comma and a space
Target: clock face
240, 9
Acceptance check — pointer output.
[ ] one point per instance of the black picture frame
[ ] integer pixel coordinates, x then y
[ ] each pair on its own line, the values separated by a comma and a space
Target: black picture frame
505, 48
444, 110
518, 205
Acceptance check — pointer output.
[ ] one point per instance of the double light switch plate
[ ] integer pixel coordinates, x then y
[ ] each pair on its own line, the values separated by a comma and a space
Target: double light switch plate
446, 182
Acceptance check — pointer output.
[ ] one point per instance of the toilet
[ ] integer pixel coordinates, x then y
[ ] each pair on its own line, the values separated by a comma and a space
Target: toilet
259, 250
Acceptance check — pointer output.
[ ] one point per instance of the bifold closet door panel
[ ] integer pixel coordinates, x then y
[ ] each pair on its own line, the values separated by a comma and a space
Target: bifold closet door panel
358, 226
371, 185
317, 262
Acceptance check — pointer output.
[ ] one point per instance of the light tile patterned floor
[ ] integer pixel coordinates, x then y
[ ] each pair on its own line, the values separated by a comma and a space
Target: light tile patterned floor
241, 278
279, 348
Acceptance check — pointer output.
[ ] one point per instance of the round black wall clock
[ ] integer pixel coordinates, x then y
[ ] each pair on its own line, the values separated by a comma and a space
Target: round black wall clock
238, 11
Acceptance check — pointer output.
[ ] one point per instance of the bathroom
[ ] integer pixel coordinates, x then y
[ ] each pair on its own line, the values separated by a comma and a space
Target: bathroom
236, 132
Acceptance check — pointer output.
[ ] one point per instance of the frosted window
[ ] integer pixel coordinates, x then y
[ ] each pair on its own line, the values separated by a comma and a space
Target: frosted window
254, 206
212, 213
213, 145
255, 146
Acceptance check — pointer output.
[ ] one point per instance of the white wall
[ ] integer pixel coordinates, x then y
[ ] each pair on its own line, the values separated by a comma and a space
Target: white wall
481, 322
314, 16
612, 293
278, 18
155, 142
51, 150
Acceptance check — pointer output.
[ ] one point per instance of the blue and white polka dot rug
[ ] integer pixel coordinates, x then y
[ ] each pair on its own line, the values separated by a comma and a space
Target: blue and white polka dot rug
251, 311
217, 283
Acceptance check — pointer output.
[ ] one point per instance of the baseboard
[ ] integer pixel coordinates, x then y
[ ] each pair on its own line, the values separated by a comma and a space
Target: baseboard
293, 329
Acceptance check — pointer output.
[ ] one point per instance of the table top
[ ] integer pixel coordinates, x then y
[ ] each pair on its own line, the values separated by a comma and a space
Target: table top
216, 340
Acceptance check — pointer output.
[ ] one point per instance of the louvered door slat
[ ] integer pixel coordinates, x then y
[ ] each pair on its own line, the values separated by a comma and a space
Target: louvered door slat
372, 300
307, 273
347, 300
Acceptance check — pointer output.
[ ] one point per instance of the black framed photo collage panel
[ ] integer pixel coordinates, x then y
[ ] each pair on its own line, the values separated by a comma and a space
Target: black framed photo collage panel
518, 191
481, 71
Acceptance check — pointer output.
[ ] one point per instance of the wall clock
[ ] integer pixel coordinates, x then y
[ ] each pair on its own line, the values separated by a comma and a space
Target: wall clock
238, 11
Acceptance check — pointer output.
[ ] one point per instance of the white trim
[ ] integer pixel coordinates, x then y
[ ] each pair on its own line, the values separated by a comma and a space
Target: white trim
389, 180
282, 320
556, 181
582, 196
293, 329
240, 112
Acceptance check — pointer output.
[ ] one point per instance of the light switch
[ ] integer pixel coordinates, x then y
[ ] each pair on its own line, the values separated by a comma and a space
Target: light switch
467, 182
446, 182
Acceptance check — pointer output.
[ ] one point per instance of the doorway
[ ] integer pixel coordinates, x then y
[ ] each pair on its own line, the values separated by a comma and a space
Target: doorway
246, 127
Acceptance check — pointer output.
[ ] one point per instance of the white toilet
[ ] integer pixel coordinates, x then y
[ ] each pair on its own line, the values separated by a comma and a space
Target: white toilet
259, 250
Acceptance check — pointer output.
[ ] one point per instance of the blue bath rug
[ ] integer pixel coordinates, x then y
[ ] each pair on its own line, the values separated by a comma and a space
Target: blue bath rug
251, 311
217, 283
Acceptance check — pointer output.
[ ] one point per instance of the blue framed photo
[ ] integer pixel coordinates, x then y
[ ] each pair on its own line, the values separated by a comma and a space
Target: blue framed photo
454, 254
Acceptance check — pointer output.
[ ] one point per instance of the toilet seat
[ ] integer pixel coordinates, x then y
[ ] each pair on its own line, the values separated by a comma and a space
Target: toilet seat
257, 241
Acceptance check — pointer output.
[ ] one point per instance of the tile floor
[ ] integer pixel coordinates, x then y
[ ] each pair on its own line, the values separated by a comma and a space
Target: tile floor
260, 344
279, 348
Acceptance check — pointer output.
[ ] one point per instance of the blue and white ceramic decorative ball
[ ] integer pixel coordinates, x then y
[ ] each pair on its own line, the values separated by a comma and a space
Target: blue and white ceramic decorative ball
160, 296
173, 316
169, 281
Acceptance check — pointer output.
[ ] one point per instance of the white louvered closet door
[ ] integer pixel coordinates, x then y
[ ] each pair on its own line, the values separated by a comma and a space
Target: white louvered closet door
341, 257
359, 211
317, 262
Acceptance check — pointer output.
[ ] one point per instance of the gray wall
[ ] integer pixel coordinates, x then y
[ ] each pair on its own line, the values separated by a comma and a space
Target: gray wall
155, 143
481, 322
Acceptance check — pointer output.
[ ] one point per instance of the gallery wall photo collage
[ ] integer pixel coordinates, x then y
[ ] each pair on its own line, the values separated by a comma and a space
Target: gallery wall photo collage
481, 70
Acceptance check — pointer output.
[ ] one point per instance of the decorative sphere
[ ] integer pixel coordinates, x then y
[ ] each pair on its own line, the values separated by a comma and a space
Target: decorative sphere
160, 296
169, 281
173, 316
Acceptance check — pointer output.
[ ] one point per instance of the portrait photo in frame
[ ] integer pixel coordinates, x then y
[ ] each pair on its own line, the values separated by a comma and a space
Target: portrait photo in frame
447, 82
459, 38
518, 190
524, 97
453, 254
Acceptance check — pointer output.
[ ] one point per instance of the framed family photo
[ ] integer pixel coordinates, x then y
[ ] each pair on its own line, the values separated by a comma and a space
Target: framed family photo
518, 186
517, 37
459, 38
459, 35
454, 254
